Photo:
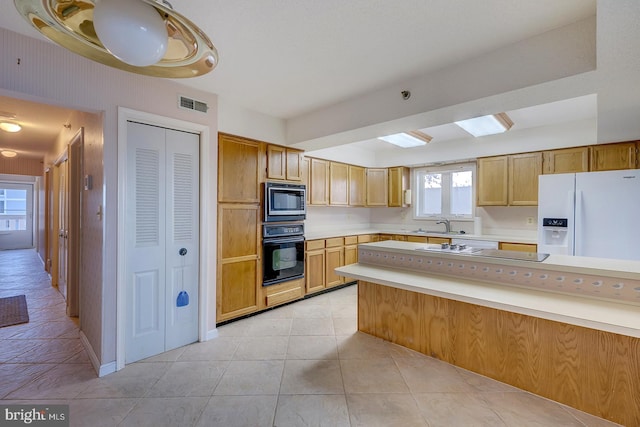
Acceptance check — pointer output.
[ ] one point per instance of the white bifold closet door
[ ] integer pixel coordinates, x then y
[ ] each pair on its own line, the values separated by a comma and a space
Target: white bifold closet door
162, 240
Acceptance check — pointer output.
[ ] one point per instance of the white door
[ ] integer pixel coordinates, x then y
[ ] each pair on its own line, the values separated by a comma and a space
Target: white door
16, 216
162, 229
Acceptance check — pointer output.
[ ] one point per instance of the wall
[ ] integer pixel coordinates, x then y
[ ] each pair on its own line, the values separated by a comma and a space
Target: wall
236, 120
321, 219
21, 165
51, 75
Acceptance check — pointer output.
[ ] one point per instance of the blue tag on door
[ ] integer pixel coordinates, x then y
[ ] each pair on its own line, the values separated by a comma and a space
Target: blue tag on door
183, 299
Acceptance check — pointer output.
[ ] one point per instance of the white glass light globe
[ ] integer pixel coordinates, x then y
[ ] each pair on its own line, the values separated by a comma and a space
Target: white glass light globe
133, 31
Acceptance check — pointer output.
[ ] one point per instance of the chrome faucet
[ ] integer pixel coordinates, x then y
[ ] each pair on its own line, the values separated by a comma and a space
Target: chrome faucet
447, 224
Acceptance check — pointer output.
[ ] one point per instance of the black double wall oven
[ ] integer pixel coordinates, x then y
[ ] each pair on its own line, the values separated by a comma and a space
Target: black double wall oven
283, 232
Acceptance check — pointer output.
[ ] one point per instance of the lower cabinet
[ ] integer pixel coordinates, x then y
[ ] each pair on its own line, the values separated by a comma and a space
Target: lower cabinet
334, 258
282, 292
520, 247
314, 265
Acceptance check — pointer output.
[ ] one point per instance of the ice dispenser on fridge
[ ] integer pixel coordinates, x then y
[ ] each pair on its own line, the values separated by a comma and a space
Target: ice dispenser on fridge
556, 236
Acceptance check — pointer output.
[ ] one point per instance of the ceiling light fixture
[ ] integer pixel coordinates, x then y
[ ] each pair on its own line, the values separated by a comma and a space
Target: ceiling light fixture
140, 36
413, 138
8, 153
10, 127
486, 125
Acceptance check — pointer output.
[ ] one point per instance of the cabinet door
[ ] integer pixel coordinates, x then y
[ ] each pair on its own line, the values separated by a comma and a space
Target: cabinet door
613, 156
338, 184
239, 272
240, 169
334, 259
350, 254
357, 186
520, 247
438, 240
398, 182
377, 187
524, 170
305, 170
418, 239
319, 173
315, 270
492, 181
294, 165
567, 160
276, 162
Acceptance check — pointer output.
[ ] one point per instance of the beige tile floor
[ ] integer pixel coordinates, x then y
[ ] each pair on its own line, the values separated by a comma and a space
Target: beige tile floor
299, 365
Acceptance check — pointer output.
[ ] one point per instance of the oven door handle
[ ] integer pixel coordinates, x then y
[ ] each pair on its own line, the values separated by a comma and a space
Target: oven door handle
281, 240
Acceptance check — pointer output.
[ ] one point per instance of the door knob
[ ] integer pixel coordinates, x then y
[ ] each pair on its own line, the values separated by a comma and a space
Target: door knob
182, 251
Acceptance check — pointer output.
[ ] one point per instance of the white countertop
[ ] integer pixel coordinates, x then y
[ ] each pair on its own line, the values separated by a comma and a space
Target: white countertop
325, 234
602, 315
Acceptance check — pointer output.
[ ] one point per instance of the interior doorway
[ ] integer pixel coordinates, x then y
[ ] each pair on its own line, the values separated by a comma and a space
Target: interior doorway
16, 215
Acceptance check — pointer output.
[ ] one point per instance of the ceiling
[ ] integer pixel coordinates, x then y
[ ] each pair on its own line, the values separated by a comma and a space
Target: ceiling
286, 58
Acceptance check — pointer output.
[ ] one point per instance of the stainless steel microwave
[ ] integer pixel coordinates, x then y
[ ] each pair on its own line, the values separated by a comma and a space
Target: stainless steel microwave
284, 202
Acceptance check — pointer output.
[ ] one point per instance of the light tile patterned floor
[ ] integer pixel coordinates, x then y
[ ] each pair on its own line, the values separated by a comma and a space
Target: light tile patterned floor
299, 365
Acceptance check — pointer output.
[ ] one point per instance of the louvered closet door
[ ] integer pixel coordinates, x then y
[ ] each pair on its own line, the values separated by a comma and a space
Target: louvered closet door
162, 217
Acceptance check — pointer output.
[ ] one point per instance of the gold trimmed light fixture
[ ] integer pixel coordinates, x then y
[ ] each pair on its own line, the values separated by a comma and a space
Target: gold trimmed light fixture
8, 153
486, 125
10, 127
413, 138
141, 36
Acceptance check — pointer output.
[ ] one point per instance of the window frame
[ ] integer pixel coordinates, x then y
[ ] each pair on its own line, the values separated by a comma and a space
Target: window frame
446, 193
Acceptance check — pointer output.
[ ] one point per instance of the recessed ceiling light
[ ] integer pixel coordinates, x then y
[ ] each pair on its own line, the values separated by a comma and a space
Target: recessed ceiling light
409, 139
10, 127
486, 125
8, 153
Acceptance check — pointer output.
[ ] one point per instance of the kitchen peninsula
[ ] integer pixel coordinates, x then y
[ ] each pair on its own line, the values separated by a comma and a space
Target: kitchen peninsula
566, 328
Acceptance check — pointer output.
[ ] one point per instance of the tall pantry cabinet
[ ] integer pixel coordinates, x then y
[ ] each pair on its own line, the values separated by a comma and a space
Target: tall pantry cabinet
241, 169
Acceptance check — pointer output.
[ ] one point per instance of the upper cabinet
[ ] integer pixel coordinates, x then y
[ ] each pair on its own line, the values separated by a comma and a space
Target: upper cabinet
357, 186
509, 180
240, 169
524, 170
377, 187
566, 160
318, 182
399, 178
284, 163
622, 155
492, 180
338, 184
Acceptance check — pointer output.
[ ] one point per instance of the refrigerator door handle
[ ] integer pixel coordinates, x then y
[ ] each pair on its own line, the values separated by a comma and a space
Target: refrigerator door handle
577, 221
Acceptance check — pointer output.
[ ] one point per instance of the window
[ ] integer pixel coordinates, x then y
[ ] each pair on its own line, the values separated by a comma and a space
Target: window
444, 192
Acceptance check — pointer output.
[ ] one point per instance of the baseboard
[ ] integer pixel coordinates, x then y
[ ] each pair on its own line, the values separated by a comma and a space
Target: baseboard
211, 334
101, 370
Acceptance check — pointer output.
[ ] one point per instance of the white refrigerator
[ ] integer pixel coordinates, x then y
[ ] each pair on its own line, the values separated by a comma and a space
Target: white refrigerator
593, 214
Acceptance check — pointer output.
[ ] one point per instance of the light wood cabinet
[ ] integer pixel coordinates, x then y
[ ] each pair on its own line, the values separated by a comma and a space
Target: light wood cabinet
334, 258
524, 170
240, 169
314, 265
493, 175
238, 266
338, 184
305, 172
357, 186
319, 182
566, 160
418, 239
520, 247
282, 292
399, 181
509, 180
284, 163
377, 187
622, 155
438, 240
350, 250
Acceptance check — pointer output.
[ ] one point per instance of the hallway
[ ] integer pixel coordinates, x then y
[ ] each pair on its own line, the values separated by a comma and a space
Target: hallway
303, 364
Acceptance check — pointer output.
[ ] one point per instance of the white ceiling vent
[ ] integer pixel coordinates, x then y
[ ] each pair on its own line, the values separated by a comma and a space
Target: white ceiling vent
192, 104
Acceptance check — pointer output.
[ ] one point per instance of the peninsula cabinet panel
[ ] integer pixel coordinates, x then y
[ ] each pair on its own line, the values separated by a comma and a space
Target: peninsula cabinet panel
357, 186
590, 370
240, 169
492, 181
622, 155
567, 160
319, 181
338, 184
377, 187
524, 170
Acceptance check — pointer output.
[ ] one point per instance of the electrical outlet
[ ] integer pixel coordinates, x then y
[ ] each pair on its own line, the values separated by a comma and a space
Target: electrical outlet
530, 220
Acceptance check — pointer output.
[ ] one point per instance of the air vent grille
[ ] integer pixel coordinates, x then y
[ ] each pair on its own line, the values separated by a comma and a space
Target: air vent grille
192, 104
